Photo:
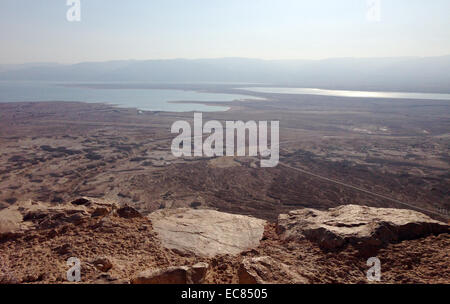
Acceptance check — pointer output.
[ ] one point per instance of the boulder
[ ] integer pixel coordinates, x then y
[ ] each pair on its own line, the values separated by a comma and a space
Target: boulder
266, 270
11, 221
206, 233
359, 225
173, 275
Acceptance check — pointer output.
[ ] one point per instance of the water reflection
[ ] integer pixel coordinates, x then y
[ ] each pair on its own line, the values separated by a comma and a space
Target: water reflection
345, 93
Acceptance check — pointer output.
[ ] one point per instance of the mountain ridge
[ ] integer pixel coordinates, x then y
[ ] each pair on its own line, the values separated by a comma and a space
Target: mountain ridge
426, 74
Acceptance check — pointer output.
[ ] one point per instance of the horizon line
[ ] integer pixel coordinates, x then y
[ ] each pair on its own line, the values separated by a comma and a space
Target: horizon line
222, 58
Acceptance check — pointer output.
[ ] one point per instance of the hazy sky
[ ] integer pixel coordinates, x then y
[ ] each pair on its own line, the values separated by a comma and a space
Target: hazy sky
38, 31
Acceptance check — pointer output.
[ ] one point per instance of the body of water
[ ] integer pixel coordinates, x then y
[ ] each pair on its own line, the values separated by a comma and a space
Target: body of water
342, 93
143, 99
160, 99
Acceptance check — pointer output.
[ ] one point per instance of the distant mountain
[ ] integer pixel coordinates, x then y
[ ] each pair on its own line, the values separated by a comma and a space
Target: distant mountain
428, 74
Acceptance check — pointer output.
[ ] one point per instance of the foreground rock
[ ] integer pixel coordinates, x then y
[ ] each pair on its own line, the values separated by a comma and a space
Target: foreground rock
173, 275
266, 270
206, 232
22, 217
360, 225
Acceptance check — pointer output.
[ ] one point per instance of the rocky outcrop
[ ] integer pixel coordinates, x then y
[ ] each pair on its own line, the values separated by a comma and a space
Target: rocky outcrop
21, 217
266, 270
206, 232
173, 275
37, 240
359, 225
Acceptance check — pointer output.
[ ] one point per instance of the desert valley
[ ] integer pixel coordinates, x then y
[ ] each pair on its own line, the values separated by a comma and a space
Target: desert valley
334, 152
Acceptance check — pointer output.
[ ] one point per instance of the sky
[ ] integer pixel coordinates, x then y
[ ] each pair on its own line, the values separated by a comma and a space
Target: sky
38, 30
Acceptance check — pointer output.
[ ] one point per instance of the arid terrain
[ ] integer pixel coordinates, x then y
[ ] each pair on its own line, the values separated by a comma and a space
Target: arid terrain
118, 245
333, 152
59, 151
